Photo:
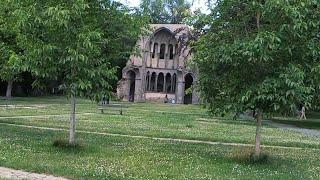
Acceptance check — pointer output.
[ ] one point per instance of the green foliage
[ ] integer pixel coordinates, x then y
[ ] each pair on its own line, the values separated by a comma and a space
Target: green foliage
79, 42
259, 55
11, 51
166, 11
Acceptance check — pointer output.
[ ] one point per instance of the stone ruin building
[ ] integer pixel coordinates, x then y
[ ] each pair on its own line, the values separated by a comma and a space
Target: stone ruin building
160, 71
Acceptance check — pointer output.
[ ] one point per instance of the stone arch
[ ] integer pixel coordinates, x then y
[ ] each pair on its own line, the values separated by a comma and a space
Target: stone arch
161, 29
160, 82
162, 51
155, 50
168, 85
154, 34
153, 82
147, 81
189, 79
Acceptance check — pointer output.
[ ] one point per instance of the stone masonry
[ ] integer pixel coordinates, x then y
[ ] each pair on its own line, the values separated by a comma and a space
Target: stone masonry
160, 71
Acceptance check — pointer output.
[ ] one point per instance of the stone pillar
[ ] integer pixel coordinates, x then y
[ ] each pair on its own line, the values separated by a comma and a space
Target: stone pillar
146, 83
158, 54
126, 89
150, 54
164, 84
166, 55
172, 85
156, 83
152, 47
149, 88
137, 90
180, 92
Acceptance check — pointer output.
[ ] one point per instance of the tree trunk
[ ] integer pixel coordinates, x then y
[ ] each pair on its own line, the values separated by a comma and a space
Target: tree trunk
257, 151
72, 136
9, 89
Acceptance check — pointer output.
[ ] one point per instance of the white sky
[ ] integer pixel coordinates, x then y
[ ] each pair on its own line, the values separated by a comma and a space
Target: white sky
196, 5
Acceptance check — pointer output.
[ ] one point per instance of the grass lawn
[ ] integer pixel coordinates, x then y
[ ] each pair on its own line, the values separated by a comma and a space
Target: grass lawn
111, 157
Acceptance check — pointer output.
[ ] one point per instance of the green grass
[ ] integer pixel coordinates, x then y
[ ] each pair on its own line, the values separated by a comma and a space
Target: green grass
110, 157
309, 124
312, 121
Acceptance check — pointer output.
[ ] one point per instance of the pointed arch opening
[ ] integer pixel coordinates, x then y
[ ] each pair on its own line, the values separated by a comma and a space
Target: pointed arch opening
160, 82
147, 81
168, 83
155, 50
153, 82
162, 51
188, 89
170, 47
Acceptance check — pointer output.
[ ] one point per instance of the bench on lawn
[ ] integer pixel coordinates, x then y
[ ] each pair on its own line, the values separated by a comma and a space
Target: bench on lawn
115, 106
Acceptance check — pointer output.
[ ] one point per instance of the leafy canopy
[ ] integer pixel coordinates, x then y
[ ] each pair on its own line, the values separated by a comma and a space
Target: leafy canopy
11, 50
78, 42
259, 55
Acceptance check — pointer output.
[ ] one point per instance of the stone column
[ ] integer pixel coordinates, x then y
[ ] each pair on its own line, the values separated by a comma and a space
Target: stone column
149, 88
152, 47
180, 92
137, 90
166, 55
178, 59
146, 83
126, 89
174, 55
164, 84
172, 85
158, 54
156, 83
150, 54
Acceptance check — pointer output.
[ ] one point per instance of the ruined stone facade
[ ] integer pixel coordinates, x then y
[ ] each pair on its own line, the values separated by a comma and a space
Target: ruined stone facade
160, 72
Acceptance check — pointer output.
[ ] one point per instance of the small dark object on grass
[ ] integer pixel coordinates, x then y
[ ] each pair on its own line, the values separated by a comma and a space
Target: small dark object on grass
64, 143
189, 126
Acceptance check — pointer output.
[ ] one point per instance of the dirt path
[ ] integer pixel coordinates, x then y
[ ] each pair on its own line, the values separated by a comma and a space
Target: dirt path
42, 116
7, 173
159, 138
308, 132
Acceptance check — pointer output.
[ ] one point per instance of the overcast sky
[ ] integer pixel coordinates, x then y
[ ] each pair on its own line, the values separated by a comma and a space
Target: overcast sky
196, 5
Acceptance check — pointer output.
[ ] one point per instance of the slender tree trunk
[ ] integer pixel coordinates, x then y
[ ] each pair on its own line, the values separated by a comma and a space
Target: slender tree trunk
9, 89
72, 136
257, 151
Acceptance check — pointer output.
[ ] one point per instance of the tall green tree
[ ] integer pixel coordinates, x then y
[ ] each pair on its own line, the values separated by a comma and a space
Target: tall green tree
11, 51
166, 11
76, 42
259, 55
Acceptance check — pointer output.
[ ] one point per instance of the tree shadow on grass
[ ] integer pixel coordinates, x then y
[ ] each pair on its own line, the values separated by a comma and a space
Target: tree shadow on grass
229, 154
228, 121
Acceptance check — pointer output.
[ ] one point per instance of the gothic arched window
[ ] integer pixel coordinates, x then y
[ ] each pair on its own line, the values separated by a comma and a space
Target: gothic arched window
162, 51
155, 49
170, 51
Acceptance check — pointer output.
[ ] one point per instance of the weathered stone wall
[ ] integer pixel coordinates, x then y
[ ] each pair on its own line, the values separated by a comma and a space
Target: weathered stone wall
160, 69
